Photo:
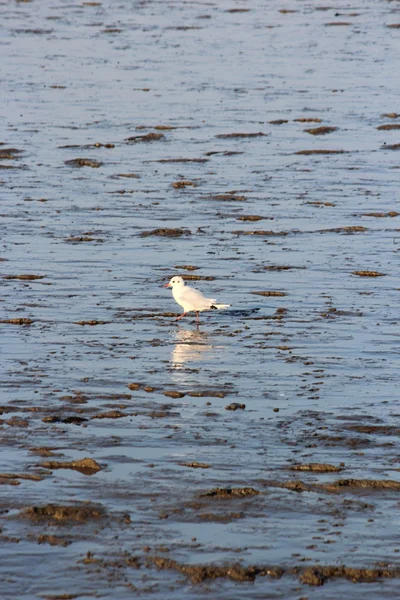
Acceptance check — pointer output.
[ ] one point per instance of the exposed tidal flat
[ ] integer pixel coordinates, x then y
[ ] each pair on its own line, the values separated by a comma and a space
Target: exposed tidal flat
254, 149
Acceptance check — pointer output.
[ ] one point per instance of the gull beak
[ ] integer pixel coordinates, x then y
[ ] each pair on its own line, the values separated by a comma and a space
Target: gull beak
167, 285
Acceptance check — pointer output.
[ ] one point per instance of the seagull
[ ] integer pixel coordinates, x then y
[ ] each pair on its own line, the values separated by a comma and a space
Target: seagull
191, 299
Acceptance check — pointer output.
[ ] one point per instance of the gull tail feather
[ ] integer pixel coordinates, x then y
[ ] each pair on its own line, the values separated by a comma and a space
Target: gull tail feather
220, 306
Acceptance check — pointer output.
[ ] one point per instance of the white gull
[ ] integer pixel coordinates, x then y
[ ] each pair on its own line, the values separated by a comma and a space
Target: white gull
191, 299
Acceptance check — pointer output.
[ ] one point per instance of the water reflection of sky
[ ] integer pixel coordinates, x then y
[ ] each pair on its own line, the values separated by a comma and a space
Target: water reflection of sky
191, 346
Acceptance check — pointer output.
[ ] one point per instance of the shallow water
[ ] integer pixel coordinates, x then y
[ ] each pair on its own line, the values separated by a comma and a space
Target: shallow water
316, 367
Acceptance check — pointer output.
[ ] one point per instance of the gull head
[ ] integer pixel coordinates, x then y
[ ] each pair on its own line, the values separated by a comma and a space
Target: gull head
175, 282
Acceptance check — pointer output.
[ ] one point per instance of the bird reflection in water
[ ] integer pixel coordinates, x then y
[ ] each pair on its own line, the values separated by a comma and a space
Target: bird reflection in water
190, 346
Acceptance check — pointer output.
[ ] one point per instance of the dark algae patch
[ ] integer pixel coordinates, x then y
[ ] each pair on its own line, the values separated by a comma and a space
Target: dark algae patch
24, 277
227, 493
269, 294
316, 468
320, 151
233, 406
149, 137
83, 162
166, 232
227, 136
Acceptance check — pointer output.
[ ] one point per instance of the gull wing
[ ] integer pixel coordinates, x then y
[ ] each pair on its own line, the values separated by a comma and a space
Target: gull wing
195, 298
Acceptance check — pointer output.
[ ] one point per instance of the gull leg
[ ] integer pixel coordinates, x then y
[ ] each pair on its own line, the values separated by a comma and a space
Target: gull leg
197, 317
184, 315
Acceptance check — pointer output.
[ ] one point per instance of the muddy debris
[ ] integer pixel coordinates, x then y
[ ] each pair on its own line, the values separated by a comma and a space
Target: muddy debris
280, 267
278, 122
375, 429
178, 185
182, 160
225, 518
199, 573
207, 393
9, 153
392, 115
333, 312
307, 120
348, 229
8, 481
389, 127
312, 575
60, 513
83, 162
162, 414
87, 466
198, 277
235, 406
16, 476
390, 147
319, 203
321, 130
53, 540
18, 321
381, 215
196, 465
320, 151
163, 127
128, 175
111, 414
224, 153
86, 146
227, 136
338, 24
167, 232
338, 486
148, 137
368, 273
92, 322
250, 218
149, 389
375, 484
318, 575
24, 277
17, 422
134, 386
317, 468
77, 398
187, 267
261, 232
227, 493
269, 294
78, 239
174, 394
228, 197
45, 451
74, 420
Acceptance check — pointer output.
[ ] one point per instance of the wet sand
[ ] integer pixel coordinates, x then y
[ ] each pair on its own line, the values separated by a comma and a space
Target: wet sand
253, 149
